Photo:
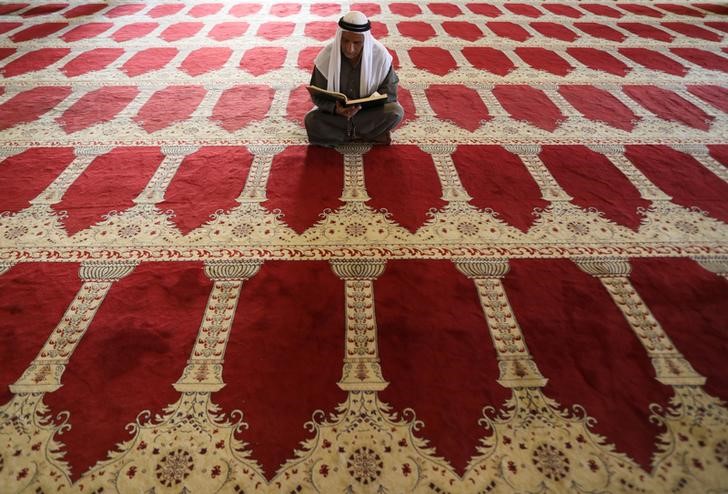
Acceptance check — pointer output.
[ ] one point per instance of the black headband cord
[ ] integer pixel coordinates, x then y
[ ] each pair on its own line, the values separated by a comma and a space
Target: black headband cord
356, 28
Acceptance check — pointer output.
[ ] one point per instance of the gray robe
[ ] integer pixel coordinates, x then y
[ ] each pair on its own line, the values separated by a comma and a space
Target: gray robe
326, 128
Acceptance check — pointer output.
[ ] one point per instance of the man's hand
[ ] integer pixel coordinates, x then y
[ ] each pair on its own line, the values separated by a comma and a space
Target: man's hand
347, 111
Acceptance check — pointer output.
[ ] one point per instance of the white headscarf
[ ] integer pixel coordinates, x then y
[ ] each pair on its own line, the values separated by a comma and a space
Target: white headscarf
375, 59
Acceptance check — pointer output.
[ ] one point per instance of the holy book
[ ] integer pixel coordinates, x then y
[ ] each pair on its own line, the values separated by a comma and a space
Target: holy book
374, 99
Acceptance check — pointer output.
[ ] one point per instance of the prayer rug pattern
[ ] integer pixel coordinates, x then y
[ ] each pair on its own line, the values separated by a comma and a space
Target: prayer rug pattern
527, 288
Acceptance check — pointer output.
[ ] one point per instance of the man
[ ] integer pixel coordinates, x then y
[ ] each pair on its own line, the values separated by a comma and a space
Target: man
357, 65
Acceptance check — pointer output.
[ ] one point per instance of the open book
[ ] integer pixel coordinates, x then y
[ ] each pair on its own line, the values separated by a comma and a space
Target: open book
374, 99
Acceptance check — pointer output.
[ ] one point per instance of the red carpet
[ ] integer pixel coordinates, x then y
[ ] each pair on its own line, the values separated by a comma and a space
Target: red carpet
525, 292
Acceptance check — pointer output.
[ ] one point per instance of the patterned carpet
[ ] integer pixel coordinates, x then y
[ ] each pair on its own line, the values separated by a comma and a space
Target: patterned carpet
524, 293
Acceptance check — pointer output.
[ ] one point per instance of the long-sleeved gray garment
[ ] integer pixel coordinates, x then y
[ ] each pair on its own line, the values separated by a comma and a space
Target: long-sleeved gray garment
325, 127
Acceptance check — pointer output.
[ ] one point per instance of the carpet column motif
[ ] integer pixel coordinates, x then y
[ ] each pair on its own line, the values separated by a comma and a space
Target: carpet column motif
362, 371
615, 153
671, 367
702, 154
452, 188
192, 442
517, 367
717, 265
355, 189
255, 186
696, 422
40, 221
154, 191
533, 440
25, 422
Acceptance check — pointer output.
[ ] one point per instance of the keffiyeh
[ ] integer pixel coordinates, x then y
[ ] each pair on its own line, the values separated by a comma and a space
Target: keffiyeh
375, 59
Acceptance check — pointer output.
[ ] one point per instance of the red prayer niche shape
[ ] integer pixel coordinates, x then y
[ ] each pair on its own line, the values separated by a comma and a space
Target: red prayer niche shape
497, 179
285, 9
445, 9
30, 105
205, 9
169, 106
241, 105
181, 30
459, 105
122, 10
133, 31
299, 103
563, 10
593, 181
643, 10
646, 31
489, 59
84, 31
654, 60
508, 30
603, 10
692, 31
435, 60
112, 187
682, 177
599, 60
260, 60
404, 97
600, 31
320, 30
705, 59
325, 9
148, 60
91, 61
304, 182
38, 31
530, 105
275, 30
543, 59
379, 30
715, 95
599, 105
34, 61
368, 9
165, 10
83, 10
11, 7
403, 179
9, 26
307, 56
48, 8
484, 9
206, 181
669, 106
405, 9
523, 9
420, 31
243, 9
554, 30
99, 106
228, 30
38, 167
463, 30
205, 60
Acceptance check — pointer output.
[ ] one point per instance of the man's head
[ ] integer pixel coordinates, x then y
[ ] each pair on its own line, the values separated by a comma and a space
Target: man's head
354, 27
351, 45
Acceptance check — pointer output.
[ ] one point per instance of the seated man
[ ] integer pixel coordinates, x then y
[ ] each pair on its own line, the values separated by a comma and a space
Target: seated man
356, 65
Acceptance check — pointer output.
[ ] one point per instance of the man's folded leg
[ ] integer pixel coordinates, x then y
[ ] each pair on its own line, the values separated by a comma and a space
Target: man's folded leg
374, 124
325, 129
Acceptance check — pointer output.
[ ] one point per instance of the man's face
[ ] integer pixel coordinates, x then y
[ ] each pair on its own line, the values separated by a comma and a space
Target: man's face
351, 45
